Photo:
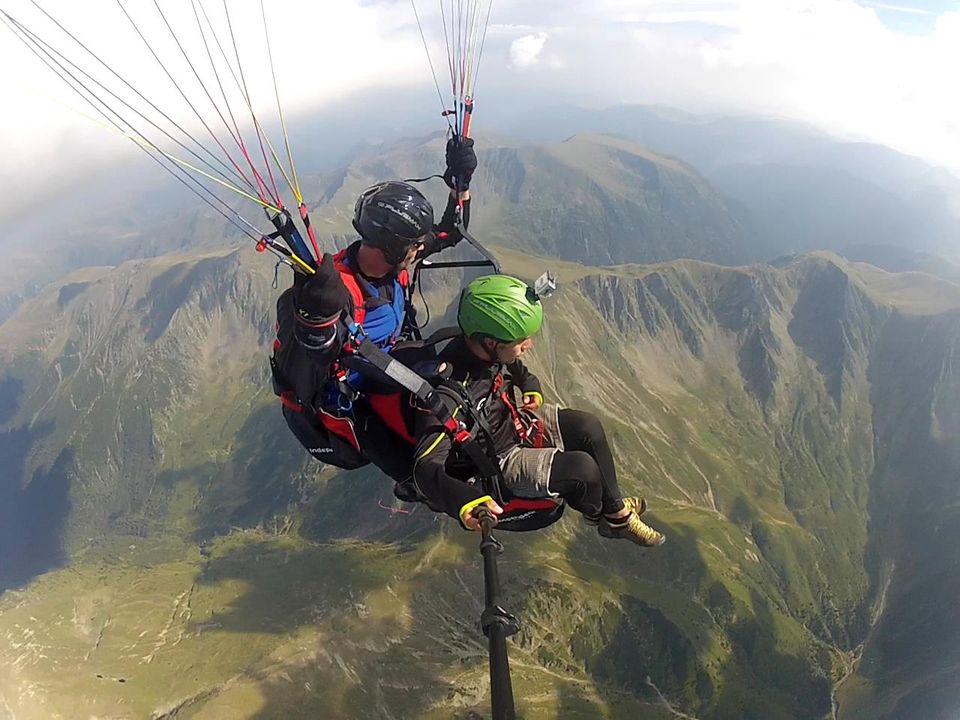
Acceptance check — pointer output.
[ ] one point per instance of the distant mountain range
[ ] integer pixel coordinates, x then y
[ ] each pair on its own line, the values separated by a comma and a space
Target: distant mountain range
630, 184
169, 551
800, 189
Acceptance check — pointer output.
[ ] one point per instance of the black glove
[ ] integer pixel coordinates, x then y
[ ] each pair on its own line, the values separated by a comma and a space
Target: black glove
323, 297
450, 239
461, 162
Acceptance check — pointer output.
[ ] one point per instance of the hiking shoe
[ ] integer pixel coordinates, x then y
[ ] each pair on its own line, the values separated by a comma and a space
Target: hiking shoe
637, 505
633, 529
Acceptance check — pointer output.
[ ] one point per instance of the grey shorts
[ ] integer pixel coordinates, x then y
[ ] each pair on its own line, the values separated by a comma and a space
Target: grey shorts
526, 470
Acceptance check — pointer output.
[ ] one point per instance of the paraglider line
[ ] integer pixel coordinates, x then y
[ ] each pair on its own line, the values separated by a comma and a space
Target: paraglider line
58, 69
236, 138
246, 94
295, 185
236, 80
304, 213
142, 97
186, 99
426, 48
235, 133
483, 42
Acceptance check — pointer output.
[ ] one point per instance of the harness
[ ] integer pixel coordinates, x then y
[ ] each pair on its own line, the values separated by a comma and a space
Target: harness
519, 514
382, 319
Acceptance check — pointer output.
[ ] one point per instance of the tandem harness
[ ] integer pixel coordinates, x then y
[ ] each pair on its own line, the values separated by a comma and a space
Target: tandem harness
519, 514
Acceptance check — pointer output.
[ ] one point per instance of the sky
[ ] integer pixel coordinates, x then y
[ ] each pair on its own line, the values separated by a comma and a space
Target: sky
878, 71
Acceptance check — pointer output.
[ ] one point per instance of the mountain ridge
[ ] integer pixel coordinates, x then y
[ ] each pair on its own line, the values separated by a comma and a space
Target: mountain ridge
898, 200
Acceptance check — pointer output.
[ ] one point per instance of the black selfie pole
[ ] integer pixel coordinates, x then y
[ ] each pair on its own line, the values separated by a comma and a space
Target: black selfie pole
496, 622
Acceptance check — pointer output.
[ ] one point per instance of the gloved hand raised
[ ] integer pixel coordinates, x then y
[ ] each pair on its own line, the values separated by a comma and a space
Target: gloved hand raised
461, 163
323, 296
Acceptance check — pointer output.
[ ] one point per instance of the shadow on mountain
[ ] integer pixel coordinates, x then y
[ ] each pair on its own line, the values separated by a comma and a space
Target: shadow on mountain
644, 650
817, 326
69, 291
833, 323
371, 657
573, 702
360, 504
634, 647
777, 685
287, 587
407, 694
170, 290
935, 699
10, 391
261, 479
270, 481
916, 523
32, 516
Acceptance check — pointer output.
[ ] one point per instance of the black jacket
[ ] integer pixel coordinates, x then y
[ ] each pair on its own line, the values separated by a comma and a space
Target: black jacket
442, 472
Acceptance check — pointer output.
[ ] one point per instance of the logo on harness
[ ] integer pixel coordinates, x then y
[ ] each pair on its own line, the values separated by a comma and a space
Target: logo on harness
318, 450
522, 516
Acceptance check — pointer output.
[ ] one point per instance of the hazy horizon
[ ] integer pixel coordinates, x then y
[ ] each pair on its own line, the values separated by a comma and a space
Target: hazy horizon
864, 71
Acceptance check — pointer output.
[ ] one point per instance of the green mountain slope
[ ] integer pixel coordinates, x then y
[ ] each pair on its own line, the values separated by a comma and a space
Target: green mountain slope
592, 198
598, 199
169, 551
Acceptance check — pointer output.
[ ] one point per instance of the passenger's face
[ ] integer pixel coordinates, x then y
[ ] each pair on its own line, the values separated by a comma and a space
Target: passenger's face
508, 352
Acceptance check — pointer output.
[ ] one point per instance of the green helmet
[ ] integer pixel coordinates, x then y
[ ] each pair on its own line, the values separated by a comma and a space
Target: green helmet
501, 307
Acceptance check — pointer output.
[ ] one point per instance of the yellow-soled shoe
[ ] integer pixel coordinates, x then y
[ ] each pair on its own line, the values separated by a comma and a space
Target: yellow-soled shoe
634, 504
633, 529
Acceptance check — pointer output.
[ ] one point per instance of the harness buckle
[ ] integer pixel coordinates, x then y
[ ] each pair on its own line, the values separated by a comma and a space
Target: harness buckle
346, 395
356, 332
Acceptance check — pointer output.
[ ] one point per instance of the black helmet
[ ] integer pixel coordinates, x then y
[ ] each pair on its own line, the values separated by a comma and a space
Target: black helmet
391, 217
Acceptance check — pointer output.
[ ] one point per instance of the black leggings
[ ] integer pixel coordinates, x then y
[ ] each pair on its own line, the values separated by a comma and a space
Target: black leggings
584, 474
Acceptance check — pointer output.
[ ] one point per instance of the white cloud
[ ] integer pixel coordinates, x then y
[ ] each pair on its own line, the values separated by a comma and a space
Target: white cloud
323, 51
900, 8
525, 51
832, 63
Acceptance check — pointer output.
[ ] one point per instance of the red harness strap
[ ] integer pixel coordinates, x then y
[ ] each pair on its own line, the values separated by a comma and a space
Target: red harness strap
532, 434
389, 408
349, 278
339, 426
289, 400
530, 504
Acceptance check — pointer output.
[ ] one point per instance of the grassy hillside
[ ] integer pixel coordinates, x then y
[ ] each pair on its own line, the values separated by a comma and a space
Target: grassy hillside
169, 551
